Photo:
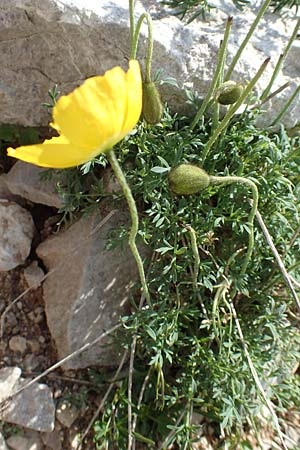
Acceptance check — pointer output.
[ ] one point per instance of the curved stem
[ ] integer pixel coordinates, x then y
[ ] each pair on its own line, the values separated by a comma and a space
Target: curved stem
134, 220
135, 42
195, 254
249, 183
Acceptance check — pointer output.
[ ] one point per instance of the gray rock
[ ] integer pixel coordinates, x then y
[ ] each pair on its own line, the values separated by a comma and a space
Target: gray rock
18, 344
88, 289
26, 442
16, 233
9, 377
66, 413
33, 275
4, 191
64, 42
28, 181
3, 445
52, 440
33, 408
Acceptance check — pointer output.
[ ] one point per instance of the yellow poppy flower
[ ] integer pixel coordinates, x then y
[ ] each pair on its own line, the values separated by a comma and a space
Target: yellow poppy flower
90, 120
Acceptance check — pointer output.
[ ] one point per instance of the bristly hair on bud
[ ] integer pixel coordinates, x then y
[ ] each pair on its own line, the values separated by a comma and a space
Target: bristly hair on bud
152, 107
186, 179
229, 92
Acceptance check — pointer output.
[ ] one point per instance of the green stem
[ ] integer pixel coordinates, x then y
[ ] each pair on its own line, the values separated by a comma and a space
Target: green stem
131, 21
220, 65
247, 38
233, 109
249, 183
286, 107
134, 220
280, 61
134, 46
195, 254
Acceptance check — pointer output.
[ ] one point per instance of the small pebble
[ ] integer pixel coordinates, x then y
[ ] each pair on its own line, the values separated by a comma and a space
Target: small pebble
18, 344
34, 346
66, 413
30, 363
33, 275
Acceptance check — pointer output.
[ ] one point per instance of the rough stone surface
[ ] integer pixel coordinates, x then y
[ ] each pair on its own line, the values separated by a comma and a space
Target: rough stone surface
27, 181
4, 191
66, 413
18, 344
33, 275
88, 289
66, 41
33, 408
26, 442
3, 445
16, 233
9, 377
52, 440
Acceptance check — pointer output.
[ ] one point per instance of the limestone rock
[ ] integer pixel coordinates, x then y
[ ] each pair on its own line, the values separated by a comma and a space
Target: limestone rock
33, 408
64, 42
18, 344
66, 413
28, 181
52, 440
4, 191
88, 288
16, 233
25, 442
33, 275
3, 445
9, 377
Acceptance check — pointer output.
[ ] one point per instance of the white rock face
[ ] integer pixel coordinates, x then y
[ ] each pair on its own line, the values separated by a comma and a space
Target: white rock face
66, 41
16, 233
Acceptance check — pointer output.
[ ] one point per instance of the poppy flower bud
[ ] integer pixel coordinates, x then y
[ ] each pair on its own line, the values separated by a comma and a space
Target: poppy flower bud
152, 108
229, 92
188, 179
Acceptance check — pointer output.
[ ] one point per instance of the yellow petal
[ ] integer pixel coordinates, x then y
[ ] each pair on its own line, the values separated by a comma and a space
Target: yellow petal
91, 119
98, 109
134, 96
57, 153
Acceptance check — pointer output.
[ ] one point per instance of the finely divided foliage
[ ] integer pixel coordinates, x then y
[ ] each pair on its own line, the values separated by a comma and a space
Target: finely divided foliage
215, 341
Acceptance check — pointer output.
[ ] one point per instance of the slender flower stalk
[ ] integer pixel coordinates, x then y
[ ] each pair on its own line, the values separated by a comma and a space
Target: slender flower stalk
252, 186
247, 38
135, 42
131, 21
134, 220
218, 71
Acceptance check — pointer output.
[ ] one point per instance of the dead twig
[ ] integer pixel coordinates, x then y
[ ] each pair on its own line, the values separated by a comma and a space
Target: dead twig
6, 401
278, 259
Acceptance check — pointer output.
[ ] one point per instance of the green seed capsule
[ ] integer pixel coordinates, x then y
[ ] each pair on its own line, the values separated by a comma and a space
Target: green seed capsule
188, 179
229, 92
152, 107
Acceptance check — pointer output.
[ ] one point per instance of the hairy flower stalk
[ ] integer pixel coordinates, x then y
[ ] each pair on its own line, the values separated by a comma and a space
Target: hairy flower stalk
134, 219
